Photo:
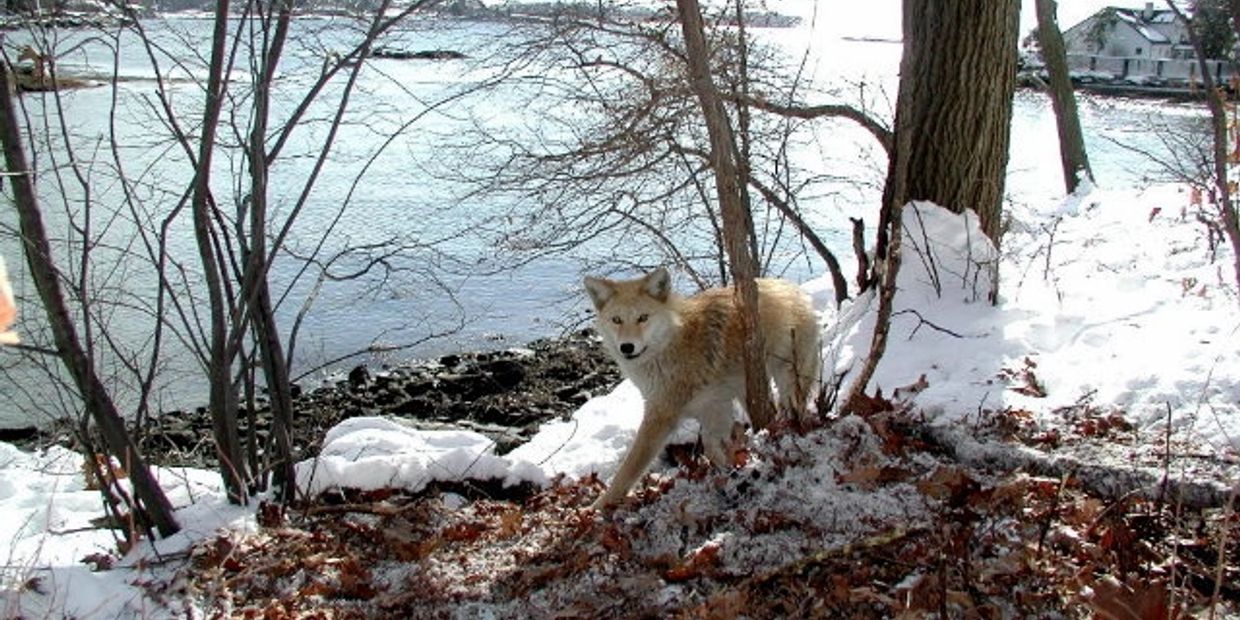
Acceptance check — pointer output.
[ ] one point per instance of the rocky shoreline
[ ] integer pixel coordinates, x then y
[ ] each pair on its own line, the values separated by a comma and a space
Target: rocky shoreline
503, 394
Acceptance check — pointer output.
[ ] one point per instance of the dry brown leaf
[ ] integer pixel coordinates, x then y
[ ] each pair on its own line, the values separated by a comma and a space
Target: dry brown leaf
912, 389
464, 532
696, 565
865, 405
510, 522
1148, 600
615, 542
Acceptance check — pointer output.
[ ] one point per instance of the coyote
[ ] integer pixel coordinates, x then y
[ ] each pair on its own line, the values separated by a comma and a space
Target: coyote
684, 355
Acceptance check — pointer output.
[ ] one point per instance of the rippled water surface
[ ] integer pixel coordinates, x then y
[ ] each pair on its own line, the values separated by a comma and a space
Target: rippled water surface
404, 182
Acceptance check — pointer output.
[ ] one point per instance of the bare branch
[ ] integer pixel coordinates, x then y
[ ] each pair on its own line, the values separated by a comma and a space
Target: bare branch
869, 123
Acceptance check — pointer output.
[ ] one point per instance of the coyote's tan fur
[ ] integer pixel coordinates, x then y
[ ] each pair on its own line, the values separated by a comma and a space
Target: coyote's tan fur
684, 354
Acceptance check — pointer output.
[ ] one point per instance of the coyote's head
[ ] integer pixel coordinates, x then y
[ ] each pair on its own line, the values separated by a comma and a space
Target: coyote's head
634, 316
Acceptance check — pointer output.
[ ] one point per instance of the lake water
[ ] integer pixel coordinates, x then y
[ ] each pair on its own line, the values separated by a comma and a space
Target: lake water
405, 188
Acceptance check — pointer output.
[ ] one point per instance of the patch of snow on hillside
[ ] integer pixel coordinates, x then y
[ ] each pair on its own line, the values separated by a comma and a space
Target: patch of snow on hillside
1110, 298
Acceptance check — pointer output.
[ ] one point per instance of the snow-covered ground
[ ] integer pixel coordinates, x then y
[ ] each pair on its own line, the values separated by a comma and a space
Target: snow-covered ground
1111, 299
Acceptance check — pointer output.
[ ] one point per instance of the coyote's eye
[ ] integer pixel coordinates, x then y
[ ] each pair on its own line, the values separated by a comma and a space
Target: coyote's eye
617, 320
643, 318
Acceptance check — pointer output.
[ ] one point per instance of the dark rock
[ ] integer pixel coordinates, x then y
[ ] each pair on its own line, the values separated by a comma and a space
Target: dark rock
14, 435
571, 394
507, 374
503, 394
184, 440
400, 54
359, 377
413, 389
384, 398
465, 387
408, 408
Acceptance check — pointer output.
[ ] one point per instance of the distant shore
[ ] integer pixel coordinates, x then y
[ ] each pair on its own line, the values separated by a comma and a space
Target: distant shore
1136, 87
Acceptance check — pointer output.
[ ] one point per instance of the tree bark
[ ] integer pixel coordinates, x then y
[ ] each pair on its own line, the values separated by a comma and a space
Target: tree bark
153, 508
953, 115
959, 78
737, 223
223, 397
1072, 153
256, 289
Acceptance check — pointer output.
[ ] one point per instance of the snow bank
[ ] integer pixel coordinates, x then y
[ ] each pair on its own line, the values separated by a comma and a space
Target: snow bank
371, 452
1108, 298
49, 512
1111, 299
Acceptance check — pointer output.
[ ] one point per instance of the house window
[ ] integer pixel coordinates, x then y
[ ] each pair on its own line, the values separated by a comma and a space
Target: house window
1138, 51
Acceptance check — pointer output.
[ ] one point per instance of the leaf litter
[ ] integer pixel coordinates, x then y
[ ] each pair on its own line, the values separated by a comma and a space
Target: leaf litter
857, 518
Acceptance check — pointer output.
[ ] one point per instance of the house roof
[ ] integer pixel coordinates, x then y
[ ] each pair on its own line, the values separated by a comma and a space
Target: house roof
1151, 29
1136, 19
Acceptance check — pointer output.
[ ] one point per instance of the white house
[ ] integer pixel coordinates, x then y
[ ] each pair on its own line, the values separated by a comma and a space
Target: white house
1143, 44
1130, 33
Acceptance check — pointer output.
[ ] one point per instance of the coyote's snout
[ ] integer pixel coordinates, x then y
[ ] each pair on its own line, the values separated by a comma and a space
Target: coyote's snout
685, 357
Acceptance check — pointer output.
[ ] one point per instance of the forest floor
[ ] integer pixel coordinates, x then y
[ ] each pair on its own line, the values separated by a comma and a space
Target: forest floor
875, 515
858, 517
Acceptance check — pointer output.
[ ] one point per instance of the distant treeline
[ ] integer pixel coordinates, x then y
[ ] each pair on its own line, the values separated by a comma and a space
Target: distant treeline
460, 8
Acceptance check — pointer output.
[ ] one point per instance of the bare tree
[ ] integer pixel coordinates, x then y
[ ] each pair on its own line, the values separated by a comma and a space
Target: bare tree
737, 223
223, 397
151, 505
246, 306
635, 167
1072, 153
248, 124
1220, 192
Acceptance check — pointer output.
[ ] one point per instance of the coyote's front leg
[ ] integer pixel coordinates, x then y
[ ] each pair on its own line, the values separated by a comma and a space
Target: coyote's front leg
656, 424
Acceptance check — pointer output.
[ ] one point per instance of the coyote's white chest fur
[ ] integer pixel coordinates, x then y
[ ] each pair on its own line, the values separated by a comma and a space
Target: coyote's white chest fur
684, 354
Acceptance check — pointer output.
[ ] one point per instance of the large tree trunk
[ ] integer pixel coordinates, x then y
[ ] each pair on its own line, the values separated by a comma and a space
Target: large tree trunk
953, 114
958, 78
1071, 142
154, 509
737, 223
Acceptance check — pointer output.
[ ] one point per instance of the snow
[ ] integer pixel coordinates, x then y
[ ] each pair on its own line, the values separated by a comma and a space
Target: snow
46, 505
1109, 297
374, 453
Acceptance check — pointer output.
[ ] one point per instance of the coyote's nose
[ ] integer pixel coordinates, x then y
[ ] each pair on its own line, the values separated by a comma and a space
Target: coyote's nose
626, 348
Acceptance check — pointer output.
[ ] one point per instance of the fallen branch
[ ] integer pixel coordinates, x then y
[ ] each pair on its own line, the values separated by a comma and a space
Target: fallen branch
1101, 480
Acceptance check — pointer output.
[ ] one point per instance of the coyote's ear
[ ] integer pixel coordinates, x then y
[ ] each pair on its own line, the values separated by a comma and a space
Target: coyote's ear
600, 291
658, 284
